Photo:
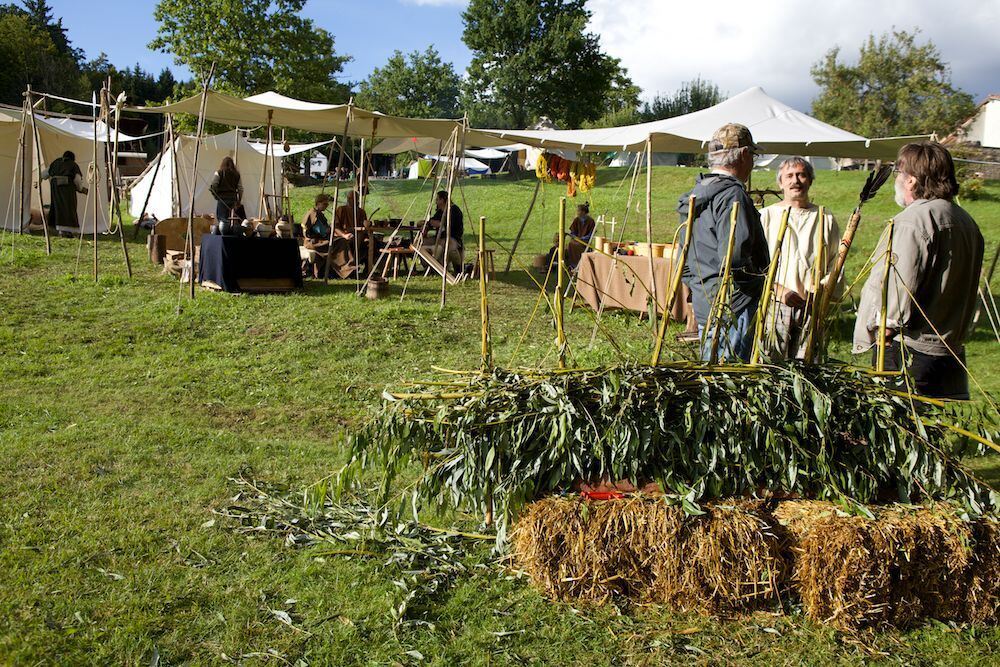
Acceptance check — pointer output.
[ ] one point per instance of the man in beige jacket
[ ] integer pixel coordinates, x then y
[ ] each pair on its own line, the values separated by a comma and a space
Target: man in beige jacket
937, 256
787, 331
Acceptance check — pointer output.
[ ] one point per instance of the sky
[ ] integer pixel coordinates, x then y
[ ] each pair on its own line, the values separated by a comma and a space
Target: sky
662, 43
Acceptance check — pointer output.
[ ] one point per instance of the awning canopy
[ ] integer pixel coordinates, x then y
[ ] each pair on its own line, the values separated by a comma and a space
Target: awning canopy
776, 127
283, 111
278, 149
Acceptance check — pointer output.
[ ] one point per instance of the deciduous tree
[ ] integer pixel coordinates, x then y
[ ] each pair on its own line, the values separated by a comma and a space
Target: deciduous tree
418, 85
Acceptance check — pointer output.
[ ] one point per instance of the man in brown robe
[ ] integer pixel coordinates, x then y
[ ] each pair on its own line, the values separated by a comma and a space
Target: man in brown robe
65, 180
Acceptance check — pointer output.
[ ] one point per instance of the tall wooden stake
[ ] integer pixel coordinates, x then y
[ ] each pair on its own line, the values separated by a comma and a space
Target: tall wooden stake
336, 192
175, 186
194, 175
517, 239
675, 282
114, 204
649, 230
95, 188
451, 185
819, 268
484, 304
22, 158
765, 299
560, 331
37, 150
265, 206
884, 316
718, 307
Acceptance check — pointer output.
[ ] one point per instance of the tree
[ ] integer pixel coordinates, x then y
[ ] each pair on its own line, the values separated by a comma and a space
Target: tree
256, 45
40, 14
533, 58
140, 86
897, 88
692, 96
29, 56
418, 85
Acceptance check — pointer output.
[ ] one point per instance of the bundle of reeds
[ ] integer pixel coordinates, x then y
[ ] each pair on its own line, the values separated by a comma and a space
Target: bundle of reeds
700, 432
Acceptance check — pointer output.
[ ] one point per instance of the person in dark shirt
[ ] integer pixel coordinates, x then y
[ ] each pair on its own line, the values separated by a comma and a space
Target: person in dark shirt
439, 221
228, 192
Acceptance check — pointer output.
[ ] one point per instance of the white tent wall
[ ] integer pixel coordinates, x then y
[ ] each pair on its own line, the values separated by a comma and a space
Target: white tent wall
51, 143
250, 163
10, 175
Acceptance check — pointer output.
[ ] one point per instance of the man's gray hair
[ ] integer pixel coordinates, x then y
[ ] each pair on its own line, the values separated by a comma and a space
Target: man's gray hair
799, 161
726, 157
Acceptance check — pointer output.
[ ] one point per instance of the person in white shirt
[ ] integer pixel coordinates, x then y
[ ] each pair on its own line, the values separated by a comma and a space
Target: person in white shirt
787, 334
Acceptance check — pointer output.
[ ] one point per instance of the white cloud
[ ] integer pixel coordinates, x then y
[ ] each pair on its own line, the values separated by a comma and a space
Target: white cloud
774, 44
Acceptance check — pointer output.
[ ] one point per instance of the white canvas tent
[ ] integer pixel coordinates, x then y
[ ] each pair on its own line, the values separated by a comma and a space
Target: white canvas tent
10, 173
776, 127
174, 166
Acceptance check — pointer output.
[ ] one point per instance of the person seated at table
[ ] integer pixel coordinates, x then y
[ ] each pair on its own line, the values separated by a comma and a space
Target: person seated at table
227, 189
581, 230
316, 237
439, 222
348, 221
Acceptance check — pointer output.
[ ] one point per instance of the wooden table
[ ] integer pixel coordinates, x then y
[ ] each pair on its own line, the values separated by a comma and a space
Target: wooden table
396, 257
623, 282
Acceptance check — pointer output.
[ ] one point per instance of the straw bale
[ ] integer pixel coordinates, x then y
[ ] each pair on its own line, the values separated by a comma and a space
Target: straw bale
901, 567
982, 601
646, 550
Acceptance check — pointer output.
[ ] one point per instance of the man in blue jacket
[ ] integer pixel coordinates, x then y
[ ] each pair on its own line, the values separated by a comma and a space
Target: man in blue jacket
730, 155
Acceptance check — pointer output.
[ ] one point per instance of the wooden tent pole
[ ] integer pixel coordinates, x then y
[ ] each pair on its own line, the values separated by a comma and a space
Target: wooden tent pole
22, 159
36, 149
194, 175
114, 204
524, 223
359, 168
818, 268
560, 331
675, 282
451, 185
719, 305
419, 240
884, 316
175, 186
264, 209
152, 184
649, 232
94, 188
484, 304
336, 192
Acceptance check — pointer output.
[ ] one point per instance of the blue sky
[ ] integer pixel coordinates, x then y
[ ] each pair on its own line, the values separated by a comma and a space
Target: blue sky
662, 43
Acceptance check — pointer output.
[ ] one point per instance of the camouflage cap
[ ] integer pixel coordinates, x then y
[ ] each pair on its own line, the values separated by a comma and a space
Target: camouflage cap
732, 135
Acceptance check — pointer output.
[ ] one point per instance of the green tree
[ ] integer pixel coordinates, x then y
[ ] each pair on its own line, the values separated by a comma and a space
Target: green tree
534, 58
692, 96
256, 45
897, 87
140, 86
418, 85
29, 56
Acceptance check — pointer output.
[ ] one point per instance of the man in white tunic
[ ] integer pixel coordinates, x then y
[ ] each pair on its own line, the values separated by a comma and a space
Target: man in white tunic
796, 289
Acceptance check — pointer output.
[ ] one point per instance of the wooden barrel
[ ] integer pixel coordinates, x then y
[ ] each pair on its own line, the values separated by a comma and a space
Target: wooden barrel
378, 288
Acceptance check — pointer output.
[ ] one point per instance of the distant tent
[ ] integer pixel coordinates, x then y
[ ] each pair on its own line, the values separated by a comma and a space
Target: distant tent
172, 169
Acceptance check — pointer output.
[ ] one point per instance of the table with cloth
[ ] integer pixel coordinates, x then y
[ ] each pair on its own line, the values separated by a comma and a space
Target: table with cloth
623, 282
249, 264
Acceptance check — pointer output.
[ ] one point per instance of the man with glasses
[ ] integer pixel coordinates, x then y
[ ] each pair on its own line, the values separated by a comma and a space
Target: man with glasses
937, 256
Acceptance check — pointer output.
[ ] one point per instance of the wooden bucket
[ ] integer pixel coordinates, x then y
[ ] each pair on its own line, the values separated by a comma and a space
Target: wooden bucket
378, 288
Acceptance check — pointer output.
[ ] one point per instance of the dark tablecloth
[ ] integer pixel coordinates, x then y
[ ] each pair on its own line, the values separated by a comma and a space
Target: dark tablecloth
226, 260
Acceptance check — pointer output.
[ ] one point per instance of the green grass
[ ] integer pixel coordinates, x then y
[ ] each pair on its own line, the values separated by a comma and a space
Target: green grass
125, 408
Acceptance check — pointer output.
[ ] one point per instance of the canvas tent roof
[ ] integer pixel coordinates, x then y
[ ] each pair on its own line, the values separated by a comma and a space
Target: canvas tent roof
278, 149
776, 127
285, 111
82, 129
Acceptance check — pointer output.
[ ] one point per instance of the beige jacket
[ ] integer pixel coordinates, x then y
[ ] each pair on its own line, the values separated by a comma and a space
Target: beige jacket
937, 253
799, 249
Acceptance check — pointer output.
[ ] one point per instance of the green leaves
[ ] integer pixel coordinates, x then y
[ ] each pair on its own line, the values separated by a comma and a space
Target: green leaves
818, 431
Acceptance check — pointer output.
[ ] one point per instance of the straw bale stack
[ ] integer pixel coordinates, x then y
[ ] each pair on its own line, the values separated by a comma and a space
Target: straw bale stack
894, 570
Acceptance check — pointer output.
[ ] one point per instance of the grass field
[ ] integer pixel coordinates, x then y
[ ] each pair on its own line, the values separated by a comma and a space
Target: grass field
125, 409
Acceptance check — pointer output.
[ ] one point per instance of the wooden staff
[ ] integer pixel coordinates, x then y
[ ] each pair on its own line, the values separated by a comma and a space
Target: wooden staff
649, 230
484, 304
819, 268
884, 316
560, 332
37, 150
336, 193
675, 283
194, 173
716, 313
21, 158
765, 302
360, 168
517, 239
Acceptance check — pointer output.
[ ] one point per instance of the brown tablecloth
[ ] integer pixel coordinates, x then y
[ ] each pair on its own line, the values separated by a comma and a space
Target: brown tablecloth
624, 282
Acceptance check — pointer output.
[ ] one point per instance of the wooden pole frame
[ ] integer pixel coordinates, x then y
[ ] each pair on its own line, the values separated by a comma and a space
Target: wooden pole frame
22, 160
194, 175
36, 145
819, 268
336, 192
649, 231
451, 185
175, 186
96, 191
114, 204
